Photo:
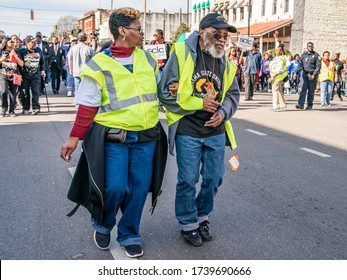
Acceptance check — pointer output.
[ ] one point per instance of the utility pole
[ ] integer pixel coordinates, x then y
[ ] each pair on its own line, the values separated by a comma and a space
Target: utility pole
187, 13
249, 15
111, 5
144, 21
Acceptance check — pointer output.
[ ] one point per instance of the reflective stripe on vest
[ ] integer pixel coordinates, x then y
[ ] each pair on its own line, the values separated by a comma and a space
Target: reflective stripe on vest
185, 88
281, 77
129, 100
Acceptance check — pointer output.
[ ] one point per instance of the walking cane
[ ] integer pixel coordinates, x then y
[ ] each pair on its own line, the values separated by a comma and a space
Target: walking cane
45, 92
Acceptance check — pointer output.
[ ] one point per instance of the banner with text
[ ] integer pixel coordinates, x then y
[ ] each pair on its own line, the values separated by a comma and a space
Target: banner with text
244, 42
158, 50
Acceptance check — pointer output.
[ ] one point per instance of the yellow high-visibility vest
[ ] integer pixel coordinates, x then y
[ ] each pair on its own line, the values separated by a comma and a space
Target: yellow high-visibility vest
185, 88
129, 100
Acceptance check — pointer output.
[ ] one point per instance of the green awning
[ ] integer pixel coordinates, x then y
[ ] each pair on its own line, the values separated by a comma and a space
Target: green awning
207, 5
198, 6
194, 7
203, 5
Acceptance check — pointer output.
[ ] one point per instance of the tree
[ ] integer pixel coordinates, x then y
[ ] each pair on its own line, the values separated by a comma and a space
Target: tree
183, 28
64, 25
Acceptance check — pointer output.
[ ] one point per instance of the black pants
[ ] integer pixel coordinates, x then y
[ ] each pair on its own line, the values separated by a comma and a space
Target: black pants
55, 76
33, 83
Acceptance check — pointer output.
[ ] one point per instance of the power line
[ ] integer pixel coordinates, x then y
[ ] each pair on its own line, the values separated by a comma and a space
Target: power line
39, 9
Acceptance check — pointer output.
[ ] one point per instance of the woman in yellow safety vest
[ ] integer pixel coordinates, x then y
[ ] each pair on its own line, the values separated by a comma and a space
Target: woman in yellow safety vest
118, 119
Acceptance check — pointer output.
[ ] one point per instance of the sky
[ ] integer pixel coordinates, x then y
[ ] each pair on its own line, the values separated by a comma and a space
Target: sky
15, 14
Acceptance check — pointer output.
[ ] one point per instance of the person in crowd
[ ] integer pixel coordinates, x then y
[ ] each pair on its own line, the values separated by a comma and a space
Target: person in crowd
309, 65
292, 70
339, 70
158, 40
16, 41
200, 93
327, 77
70, 84
79, 55
287, 84
278, 74
344, 76
44, 47
9, 61
32, 70
118, 120
235, 59
2, 37
56, 64
252, 68
265, 73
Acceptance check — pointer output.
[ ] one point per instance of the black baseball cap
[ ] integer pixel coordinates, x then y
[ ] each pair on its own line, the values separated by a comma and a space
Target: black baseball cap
30, 38
217, 21
310, 45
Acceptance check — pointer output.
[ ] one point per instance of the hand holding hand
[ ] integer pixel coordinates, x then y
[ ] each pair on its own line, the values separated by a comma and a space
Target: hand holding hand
210, 105
215, 120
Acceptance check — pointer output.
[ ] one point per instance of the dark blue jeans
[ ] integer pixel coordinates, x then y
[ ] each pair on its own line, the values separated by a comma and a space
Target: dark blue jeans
128, 173
194, 156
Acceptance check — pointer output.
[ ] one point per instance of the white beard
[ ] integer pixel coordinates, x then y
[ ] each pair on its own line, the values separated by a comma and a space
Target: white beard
211, 48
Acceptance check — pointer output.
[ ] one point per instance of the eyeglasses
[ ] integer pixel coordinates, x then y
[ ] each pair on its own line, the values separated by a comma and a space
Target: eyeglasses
218, 36
138, 29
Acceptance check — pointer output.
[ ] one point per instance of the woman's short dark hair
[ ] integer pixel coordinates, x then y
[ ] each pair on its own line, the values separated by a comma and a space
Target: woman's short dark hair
122, 17
326, 52
296, 55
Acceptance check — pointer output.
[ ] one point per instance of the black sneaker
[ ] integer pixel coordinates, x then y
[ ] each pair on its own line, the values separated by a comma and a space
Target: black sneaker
308, 108
133, 251
101, 240
192, 237
299, 107
204, 231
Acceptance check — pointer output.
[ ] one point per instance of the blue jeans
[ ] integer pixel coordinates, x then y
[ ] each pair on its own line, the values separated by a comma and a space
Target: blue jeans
128, 174
326, 90
191, 154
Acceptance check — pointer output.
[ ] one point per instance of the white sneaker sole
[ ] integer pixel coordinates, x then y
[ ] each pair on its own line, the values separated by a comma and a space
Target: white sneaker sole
132, 256
96, 243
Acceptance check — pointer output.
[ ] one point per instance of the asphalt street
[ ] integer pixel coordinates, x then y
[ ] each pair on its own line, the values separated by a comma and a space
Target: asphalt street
287, 201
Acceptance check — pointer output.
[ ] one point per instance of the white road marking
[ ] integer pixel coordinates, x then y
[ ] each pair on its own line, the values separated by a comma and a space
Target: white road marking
256, 132
315, 152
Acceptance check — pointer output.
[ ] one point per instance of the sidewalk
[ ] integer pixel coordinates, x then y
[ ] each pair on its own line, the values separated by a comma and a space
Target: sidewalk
326, 125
